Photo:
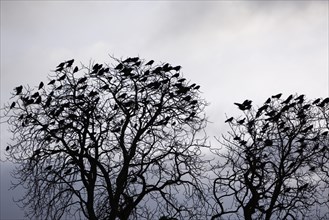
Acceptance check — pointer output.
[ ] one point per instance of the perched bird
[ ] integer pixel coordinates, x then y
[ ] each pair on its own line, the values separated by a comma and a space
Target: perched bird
176, 75
93, 93
105, 87
229, 119
119, 66
157, 70
61, 65
69, 63
277, 96
149, 63
241, 121
324, 102
7, 148
12, 105
75, 69
177, 68
41, 85
52, 82
38, 100
82, 80
245, 105
287, 100
316, 101
36, 94
19, 90
134, 59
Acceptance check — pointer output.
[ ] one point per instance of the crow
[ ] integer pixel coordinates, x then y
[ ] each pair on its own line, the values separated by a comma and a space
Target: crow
324, 102
19, 90
41, 85
7, 148
61, 65
177, 68
316, 101
149, 63
52, 82
119, 66
176, 75
82, 80
268, 101
12, 105
38, 100
241, 121
301, 97
69, 63
75, 69
105, 87
287, 100
134, 59
277, 96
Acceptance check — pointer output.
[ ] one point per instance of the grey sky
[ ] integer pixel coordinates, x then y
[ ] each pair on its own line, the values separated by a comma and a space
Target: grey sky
234, 49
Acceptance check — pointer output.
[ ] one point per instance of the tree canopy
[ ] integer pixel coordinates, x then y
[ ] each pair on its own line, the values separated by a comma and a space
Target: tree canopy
274, 162
109, 141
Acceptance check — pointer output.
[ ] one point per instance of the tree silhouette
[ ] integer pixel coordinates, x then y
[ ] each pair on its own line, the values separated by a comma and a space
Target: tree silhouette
109, 142
275, 161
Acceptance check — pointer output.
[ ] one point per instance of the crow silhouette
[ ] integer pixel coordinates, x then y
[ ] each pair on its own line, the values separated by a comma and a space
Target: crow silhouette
52, 82
7, 148
38, 100
82, 80
69, 63
287, 100
105, 87
12, 105
134, 59
40, 85
241, 121
149, 63
229, 119
19, 90
119, 66
36, 94
176, 75
61, 65
177, 68
277, 96
75, 69
316, 101
324, 102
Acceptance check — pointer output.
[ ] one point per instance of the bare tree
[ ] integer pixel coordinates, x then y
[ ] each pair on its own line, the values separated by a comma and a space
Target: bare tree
110, 142
274, 161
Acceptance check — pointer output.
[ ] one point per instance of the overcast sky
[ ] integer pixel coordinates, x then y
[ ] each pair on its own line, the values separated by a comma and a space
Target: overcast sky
235, 50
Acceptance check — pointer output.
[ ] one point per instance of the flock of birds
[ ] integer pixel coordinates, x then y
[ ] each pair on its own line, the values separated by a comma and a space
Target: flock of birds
178, 89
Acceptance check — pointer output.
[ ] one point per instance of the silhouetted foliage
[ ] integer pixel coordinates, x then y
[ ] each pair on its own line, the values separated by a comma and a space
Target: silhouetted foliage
109, 142
275, 161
